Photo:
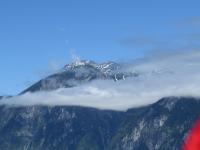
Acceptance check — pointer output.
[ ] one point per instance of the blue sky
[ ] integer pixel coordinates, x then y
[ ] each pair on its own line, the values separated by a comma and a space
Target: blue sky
37, 36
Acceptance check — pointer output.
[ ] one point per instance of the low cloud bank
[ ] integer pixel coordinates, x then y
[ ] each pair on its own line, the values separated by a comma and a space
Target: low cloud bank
162, 75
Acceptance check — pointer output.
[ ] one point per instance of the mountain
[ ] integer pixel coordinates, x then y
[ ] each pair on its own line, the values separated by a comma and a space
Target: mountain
50, 128
80, 72
160, 126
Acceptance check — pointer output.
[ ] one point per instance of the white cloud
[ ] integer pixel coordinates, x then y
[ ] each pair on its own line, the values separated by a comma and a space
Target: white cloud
160, 76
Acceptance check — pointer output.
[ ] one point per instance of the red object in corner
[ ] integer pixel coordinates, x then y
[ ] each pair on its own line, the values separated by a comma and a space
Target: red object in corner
193, 140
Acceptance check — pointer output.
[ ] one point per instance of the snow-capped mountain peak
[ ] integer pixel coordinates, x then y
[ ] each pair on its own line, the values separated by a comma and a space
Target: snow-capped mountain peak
78, 72
78, 63
106, 67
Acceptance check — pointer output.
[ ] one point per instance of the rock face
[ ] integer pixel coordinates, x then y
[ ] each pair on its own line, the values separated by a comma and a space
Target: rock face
161, 126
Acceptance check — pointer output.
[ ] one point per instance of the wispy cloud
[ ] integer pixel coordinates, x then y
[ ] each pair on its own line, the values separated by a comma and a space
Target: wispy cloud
137, 41
180, 34
161, 75
191, 21
61, 29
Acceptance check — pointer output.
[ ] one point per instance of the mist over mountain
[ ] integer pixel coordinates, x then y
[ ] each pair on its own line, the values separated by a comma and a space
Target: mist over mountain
147, 104
116, 86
